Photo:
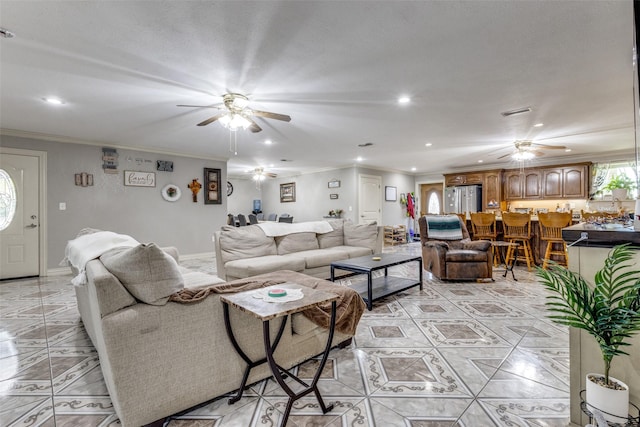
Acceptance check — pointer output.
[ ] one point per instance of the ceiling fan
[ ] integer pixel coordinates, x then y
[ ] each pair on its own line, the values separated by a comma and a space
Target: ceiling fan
238, 115
259, 174
527, 150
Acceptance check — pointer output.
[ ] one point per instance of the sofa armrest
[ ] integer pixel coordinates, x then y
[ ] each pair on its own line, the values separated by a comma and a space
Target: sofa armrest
436, 244
478, 245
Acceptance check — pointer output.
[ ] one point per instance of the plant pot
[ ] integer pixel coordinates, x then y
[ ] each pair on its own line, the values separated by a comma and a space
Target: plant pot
614, 404
619, 194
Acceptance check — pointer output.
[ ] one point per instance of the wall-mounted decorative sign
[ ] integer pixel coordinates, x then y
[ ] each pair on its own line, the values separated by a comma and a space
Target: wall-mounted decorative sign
288, 192
212, 182
390, 193
109, 160
139, 179
164, 165
84, 179
333, 196
171, 193
334, 184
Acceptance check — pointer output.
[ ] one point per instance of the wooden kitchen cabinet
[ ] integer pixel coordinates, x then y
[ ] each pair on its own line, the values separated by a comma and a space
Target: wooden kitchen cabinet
522, 184
463, 179
492, 190
568, 182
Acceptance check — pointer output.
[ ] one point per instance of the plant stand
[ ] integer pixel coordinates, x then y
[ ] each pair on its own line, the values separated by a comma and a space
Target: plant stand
631, 421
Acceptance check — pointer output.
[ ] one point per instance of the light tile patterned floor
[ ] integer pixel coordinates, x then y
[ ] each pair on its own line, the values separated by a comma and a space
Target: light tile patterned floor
455, 354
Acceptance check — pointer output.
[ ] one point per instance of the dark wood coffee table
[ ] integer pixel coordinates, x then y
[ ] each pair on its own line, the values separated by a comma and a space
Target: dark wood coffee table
382, 286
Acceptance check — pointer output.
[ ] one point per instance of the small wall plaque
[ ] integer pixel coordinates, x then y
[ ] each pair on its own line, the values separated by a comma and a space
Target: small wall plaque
139, 179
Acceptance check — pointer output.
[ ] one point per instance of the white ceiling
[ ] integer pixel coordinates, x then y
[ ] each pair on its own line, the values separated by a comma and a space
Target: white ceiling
337, 68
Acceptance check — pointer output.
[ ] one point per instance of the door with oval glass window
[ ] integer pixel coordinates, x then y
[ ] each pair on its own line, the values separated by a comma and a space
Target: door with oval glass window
19, 221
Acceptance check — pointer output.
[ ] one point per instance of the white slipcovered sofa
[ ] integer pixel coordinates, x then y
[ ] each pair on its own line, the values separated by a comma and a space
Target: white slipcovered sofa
161, 357
246, 251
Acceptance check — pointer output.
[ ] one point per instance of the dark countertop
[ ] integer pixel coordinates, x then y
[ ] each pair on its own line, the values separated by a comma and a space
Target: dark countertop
599, 237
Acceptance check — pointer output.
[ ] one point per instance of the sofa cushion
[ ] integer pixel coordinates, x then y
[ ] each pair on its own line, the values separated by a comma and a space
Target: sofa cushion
242, 268
354, 251
364, 235
148, 273
245, 242
198, 279
321, 257
296, 242
332, 238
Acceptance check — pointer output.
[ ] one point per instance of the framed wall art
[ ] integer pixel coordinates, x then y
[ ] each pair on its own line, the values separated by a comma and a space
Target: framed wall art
288, 192
212, 193
390, 193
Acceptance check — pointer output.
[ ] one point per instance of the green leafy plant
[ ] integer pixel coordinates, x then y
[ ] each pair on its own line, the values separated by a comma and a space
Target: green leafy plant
620, 181
609, 311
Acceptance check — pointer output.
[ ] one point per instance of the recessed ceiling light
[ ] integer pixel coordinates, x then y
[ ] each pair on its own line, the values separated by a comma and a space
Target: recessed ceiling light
270, 165
358, 159
566, 150
268, 141
414, 169
480, 161
538, 125
428, 144
54, 101
404, 100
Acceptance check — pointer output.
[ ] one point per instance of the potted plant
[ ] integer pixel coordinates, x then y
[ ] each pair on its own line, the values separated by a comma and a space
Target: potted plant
609, 311
620, 185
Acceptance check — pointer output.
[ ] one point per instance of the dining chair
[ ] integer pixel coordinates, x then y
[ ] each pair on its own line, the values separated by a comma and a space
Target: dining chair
284, 215
288, 219
253, 219
242, 220
517, 229
272, 217
260, 216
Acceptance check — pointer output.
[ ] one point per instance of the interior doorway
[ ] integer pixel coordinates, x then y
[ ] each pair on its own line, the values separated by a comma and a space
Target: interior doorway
370, 199
431, 199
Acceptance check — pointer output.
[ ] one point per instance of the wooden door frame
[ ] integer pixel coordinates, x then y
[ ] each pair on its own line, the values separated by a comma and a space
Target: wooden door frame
42, 201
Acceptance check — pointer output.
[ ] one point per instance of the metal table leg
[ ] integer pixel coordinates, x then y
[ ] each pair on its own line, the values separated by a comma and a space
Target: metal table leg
250, 363
277, 374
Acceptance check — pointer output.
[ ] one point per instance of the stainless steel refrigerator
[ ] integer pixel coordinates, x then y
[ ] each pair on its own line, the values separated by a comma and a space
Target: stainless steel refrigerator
461, 199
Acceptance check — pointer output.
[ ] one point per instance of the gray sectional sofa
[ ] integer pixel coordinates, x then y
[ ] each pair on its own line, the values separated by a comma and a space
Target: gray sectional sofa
159, 358
246, 251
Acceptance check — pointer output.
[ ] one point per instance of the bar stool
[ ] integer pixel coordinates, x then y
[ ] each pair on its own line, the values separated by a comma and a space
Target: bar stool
551, 225
517, 229
484, 227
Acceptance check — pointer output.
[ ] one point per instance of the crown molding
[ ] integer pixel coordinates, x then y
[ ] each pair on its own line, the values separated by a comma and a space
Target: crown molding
69, 140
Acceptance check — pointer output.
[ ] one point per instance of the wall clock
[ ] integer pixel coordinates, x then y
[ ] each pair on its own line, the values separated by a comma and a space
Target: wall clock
229, 188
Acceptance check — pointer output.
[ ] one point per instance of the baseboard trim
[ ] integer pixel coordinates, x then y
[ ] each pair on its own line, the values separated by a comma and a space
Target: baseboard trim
59, 271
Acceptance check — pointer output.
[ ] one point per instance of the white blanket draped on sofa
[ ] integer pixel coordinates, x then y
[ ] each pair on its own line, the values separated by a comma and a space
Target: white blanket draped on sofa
272, 229
84, 248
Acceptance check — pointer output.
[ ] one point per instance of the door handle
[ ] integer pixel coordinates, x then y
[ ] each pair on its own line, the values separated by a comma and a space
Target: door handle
31, 226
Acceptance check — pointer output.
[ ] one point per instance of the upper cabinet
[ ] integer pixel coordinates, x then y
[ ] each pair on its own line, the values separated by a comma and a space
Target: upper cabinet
522, 184
568, 182
492, 189
463, 179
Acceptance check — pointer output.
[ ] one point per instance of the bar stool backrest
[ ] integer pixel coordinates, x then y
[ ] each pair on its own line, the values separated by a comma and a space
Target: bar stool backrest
552, 223
588, 215
516, 225
483, 224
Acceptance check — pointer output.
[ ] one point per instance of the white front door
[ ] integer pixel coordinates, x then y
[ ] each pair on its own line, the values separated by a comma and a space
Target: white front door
370, 199
19, 216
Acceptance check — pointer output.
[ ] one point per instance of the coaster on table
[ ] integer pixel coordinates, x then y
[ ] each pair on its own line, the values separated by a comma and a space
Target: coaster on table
268, 294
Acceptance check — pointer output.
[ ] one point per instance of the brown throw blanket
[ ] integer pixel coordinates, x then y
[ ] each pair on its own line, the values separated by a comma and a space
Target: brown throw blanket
349, 306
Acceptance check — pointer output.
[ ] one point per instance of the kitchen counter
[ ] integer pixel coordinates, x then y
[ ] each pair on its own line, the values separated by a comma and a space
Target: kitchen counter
600, 237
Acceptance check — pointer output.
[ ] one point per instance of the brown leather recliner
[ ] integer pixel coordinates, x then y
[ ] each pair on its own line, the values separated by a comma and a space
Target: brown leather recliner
456, 259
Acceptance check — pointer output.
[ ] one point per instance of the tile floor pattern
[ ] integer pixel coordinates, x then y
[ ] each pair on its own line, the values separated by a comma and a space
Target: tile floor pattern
455, 354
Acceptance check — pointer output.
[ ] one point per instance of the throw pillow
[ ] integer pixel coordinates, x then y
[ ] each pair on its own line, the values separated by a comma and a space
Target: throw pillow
364, 235
332, 238
245, 242
148, 273
296, 242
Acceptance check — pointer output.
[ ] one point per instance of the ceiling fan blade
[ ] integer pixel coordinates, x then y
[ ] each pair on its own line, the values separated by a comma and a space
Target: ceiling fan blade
550, 147
254, 126
271, 174
505, 155
211, 119
269, 115
200, 106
